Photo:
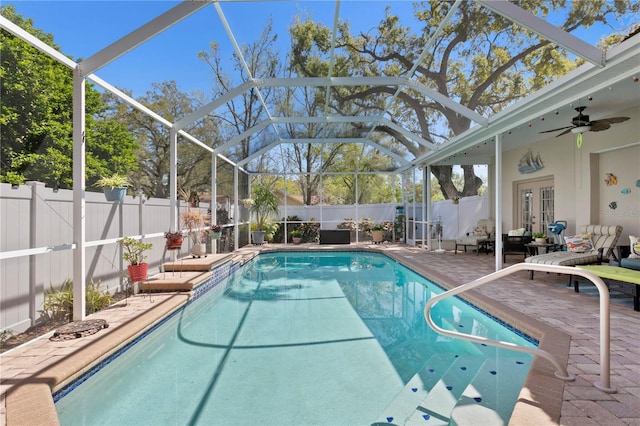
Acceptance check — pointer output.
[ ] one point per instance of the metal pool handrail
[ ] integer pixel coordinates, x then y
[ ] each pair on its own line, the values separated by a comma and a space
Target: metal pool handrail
604, 384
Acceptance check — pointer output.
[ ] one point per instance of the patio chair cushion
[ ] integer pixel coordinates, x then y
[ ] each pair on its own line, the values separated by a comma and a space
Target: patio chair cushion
579, 243
604, 238
516, 232
481, 232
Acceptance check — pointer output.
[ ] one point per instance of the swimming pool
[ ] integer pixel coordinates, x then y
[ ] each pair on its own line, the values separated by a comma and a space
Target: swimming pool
307, 338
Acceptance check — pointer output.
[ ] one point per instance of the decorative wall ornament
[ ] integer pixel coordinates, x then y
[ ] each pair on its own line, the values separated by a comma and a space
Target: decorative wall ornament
613, 205
625, 191
530, 164
638, 183
610, 179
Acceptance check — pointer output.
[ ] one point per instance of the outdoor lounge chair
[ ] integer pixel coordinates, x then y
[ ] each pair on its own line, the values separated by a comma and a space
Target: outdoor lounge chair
480, 235
604, 239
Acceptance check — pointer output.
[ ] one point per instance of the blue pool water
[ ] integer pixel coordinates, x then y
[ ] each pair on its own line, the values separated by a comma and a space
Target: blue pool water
300, 339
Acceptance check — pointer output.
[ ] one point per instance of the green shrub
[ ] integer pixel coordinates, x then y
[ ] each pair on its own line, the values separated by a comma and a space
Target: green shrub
5, 335
58, 303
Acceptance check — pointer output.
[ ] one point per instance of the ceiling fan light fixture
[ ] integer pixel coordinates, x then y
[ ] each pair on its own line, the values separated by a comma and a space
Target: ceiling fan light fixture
580, 129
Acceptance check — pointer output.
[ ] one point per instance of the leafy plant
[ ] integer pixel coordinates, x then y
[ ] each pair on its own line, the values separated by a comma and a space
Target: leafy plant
5, 335
114, 181
539, 235
96, 299
134, 250
296, 233
195, 221
189, 195
270, 230
58, 303
265, 204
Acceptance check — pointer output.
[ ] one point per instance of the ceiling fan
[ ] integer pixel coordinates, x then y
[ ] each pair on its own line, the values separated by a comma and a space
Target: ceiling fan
581, 124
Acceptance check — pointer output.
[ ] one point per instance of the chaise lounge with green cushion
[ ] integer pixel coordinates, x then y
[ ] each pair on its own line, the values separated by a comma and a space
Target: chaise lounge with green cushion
603, 239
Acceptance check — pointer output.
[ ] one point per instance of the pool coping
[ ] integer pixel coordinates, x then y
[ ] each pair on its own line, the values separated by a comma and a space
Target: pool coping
29, 400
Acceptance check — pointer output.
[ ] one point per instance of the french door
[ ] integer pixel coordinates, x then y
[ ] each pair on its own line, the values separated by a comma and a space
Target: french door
535, 205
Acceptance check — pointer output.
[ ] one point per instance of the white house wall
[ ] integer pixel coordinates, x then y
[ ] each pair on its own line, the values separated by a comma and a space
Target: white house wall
580, 195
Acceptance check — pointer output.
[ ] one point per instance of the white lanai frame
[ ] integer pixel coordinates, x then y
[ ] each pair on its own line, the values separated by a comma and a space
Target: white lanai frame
186, 8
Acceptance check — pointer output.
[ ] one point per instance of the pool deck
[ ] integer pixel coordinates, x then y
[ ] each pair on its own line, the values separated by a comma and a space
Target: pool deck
565, 322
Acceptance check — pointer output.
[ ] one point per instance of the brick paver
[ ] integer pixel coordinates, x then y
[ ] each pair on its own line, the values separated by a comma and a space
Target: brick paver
545, 300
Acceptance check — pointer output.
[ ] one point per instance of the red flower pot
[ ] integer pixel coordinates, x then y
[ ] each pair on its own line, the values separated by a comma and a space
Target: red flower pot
174, 242
138, 272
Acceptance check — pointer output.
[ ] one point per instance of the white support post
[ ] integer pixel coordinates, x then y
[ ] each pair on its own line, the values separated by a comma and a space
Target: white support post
426, 206
355, 200
37, 216
79, 187
214, 198
173, 178
236, 214
427, 184
497, 185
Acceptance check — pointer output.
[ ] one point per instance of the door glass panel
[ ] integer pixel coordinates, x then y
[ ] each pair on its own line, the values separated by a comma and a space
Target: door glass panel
526, 198
535, 208
547, 207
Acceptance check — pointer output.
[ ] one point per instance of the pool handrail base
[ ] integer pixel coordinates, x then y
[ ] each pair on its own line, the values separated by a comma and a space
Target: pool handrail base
604, 384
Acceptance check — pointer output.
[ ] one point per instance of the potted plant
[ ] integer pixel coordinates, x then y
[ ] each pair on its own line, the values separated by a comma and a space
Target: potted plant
377, 233
114, 186
174, 240
296, 236
540, 237
215, 231
134, 254
265, 204
248, 203
195, 220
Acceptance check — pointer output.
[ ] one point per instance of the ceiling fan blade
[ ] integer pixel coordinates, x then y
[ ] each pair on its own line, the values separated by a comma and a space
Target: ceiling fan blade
565, 132
555, 130
599, 125
611, 120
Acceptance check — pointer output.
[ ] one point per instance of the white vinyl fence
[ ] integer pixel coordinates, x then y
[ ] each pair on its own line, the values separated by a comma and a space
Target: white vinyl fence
36, 238
36, 244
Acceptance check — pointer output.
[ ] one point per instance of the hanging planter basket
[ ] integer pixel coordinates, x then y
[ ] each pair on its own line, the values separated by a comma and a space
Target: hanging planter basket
174, 240
138, 272
115, 194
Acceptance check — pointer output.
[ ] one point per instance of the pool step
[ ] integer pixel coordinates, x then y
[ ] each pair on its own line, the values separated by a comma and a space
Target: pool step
491, 388
433, 391
416, 388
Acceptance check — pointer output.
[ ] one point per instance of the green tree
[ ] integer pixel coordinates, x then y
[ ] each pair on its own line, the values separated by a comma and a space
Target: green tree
247, 109
194, 162
36, 140
481, 60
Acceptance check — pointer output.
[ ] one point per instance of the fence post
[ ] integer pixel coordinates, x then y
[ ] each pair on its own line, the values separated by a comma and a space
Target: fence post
37, 215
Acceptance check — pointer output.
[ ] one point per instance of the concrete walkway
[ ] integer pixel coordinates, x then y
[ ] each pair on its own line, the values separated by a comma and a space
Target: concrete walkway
566, 323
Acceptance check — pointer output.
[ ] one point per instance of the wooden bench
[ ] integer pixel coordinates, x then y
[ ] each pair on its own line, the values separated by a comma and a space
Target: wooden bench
615, 275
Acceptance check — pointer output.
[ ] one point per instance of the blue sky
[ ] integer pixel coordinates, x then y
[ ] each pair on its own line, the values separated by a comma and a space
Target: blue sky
82, 28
